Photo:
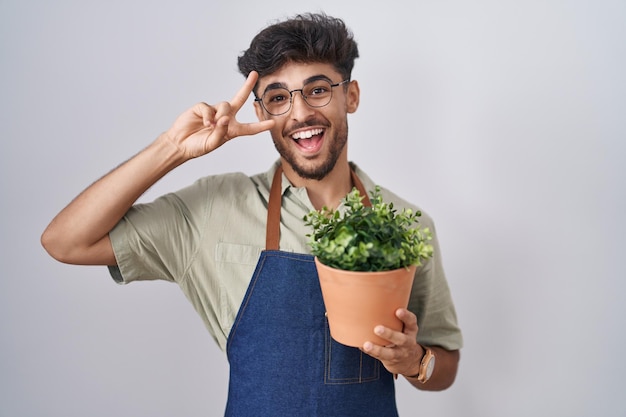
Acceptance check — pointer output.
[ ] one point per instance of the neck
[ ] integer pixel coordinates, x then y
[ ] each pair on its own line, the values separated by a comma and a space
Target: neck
328, 191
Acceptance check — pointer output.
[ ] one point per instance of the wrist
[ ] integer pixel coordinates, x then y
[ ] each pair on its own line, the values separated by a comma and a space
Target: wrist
426, 366
168, 151
415, 369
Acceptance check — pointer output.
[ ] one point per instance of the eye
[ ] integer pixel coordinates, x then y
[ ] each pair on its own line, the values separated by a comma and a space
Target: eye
318, 90
276, 97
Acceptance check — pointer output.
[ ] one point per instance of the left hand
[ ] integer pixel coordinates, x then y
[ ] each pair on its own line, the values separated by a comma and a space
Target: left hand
403, 354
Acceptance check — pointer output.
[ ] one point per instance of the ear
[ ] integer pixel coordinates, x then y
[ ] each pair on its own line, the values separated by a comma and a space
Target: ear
353, 96
260, 113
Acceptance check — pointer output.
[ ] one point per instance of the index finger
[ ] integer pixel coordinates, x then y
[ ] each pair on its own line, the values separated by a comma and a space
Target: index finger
244, 92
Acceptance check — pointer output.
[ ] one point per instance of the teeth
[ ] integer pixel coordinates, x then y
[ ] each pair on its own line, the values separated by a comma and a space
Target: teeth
306, 134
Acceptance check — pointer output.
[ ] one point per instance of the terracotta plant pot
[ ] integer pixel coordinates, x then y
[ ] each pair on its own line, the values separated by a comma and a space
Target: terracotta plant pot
356, 302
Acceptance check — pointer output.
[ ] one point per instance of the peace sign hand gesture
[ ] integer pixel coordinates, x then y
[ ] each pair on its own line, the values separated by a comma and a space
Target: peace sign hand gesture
204, 128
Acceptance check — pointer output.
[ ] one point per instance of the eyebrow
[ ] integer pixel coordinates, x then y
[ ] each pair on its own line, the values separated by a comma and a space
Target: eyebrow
274, 86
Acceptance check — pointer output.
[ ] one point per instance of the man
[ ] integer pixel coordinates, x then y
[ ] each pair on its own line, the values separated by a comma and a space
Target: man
259, 298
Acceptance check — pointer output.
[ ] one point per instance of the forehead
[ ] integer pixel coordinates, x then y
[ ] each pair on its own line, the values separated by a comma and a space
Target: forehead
294, 74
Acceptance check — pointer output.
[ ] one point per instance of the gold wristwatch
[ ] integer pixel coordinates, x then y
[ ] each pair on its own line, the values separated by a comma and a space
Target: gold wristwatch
427, 366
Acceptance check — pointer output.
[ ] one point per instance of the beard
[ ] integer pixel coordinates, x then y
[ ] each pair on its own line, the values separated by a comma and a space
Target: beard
311, 170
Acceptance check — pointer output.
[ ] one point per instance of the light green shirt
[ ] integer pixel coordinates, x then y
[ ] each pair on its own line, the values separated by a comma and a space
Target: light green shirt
207, 238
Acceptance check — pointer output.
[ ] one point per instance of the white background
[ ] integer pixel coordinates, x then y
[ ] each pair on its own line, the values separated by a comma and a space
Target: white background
505, 120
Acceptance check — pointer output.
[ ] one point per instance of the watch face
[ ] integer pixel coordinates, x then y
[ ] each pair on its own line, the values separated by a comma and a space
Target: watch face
430, 367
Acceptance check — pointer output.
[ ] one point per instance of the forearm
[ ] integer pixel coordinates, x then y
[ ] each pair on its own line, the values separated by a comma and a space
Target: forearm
444, 373
79, 233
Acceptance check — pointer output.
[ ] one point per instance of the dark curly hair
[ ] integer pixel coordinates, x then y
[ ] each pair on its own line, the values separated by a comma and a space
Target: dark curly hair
311, 37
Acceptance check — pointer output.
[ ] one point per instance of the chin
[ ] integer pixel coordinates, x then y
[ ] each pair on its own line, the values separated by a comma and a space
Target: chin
314, 171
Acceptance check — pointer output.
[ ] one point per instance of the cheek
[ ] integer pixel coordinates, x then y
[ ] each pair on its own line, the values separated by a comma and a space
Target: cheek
277, 132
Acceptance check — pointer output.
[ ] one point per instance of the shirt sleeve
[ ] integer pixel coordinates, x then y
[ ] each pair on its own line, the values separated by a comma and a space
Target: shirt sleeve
155, 241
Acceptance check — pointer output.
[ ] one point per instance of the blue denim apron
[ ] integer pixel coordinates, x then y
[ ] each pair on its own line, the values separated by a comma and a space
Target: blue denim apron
283, 362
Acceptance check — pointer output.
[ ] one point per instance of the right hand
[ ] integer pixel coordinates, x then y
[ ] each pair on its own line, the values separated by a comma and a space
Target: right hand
204, 128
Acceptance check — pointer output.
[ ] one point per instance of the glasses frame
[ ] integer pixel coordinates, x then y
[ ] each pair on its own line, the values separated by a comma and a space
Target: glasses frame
301, 91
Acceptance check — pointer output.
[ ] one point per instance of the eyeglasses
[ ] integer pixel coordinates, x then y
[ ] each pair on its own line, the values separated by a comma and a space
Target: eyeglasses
316, 93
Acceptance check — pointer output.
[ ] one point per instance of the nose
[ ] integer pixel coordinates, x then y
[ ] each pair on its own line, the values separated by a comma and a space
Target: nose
300, 110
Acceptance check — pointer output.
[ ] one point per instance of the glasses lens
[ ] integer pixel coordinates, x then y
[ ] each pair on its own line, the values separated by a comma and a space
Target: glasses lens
277, 101
318, 93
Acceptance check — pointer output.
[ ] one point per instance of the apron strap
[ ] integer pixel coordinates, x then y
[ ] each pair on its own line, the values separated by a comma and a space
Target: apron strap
272, 231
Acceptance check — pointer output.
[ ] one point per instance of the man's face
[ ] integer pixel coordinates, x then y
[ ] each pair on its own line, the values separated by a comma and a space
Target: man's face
311, 140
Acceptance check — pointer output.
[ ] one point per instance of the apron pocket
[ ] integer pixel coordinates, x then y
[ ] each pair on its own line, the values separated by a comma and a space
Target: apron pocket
348, 365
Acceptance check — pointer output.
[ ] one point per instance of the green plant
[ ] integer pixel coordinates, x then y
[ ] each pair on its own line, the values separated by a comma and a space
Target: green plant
376, 238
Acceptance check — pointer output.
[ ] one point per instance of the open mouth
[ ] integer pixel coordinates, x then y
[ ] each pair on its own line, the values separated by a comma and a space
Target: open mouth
309, 140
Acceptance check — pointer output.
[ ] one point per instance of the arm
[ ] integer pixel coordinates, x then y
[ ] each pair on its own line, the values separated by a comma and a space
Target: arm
403, 356
79, 233
444, 374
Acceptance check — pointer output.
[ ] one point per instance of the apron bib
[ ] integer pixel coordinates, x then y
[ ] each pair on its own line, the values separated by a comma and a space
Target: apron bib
283, 362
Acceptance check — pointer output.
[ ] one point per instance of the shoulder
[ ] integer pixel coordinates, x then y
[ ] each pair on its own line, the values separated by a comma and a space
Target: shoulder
230, 182
226, 187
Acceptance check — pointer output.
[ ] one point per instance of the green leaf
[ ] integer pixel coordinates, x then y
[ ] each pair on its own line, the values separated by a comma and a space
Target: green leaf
376, 238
